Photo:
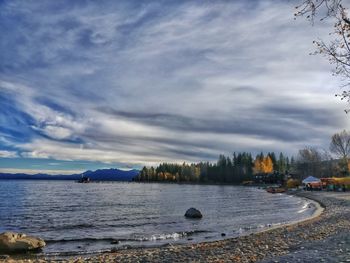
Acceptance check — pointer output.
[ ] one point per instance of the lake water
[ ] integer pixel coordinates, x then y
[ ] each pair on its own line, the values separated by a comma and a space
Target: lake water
84, 218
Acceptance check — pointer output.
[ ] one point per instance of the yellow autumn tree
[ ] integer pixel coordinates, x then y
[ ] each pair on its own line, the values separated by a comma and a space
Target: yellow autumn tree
268, 165
257, 166
263, 165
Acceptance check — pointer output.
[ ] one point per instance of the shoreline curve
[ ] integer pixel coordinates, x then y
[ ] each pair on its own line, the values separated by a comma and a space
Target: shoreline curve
267, 243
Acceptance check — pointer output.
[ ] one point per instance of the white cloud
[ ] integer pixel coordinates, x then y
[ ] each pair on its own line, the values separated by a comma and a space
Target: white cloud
184, 82
38, 171
57, 132
8, 154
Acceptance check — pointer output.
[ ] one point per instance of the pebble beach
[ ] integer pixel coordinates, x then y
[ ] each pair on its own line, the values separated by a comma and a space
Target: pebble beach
323, 238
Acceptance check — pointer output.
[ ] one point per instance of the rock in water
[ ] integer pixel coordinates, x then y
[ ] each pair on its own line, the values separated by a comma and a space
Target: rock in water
11, 242
193, 213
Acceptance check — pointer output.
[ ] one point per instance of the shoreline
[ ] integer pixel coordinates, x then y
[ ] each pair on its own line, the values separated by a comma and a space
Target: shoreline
319, 208
329, 219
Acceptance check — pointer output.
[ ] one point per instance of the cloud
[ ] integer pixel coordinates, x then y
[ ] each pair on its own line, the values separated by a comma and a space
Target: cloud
143, 82
8, 154
39, 171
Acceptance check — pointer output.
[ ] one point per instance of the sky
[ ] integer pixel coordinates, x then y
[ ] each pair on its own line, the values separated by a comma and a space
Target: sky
97, 84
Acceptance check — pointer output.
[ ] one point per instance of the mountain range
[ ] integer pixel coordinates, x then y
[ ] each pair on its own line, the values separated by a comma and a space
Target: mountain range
98, 175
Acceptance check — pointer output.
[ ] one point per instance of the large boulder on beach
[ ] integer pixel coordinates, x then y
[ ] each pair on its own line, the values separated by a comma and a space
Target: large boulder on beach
11, 242
193, 213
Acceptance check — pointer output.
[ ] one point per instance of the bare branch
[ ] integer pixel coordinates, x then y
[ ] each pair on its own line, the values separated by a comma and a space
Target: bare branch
340, 144
338, 50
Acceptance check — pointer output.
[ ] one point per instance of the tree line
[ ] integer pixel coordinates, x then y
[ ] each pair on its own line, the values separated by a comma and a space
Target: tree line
323, 163
267, 168
236, 169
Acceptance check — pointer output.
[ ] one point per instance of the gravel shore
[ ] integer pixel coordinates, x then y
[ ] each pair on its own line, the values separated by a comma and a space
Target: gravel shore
324, 238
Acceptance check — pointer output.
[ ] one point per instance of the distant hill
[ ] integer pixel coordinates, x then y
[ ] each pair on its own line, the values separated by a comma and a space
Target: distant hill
111, 175
98, 175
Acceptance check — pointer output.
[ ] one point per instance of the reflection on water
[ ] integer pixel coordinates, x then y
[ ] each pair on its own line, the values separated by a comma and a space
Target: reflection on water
99, 216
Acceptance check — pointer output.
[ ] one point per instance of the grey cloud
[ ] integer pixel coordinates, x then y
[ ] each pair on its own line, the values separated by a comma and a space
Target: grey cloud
246, 89
185, 81
312, 115
266, 126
